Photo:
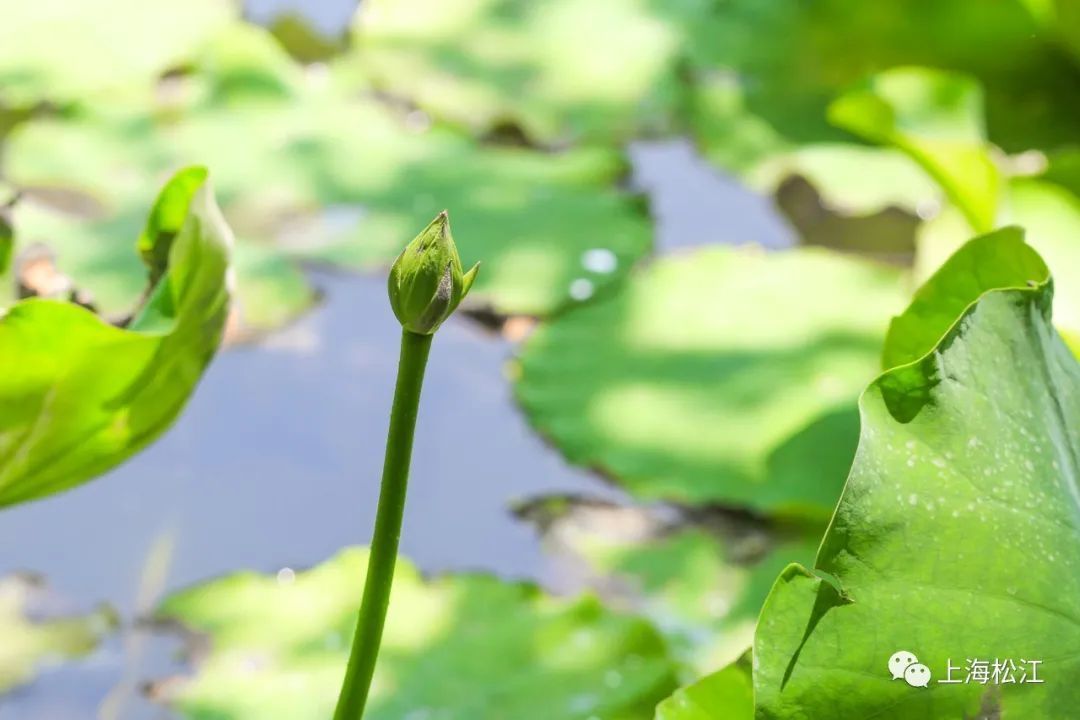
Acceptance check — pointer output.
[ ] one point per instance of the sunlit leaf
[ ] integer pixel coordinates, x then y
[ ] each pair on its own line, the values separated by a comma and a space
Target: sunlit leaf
954, 538
59, 51
78, 395
309, 173
559, 71
724, 376
467, 647
852, 178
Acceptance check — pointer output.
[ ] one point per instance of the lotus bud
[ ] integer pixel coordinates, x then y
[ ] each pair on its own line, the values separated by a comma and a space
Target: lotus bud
426, 281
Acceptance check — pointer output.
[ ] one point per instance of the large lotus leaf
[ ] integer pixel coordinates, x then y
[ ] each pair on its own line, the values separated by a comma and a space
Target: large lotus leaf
702, 582
30, 643
956, 533
936, 118
57, 50
241, 72
455, 647
727, 375
297, 174
1050, 214
765, 71
78, 395
561, 71
727, 694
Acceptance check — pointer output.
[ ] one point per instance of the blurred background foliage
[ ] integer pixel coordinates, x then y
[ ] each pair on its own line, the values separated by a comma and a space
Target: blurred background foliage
715, 388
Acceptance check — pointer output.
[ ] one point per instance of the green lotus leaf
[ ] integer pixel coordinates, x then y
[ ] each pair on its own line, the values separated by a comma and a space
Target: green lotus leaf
310, 174
32, 643
965, 483
851, 178
723, 376
563, 71
54, 50
1002, 263
856, 199
79, 395
456, 647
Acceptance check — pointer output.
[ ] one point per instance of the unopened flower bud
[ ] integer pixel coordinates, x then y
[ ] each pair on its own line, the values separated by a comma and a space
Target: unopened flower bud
426, 281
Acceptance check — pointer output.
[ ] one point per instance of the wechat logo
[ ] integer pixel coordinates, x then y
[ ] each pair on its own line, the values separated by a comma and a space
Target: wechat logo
905, 666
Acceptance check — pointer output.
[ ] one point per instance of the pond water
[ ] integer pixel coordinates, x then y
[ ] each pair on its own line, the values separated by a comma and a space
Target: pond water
276, 461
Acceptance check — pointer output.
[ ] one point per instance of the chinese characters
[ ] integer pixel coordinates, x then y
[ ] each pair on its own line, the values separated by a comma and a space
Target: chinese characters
999, 671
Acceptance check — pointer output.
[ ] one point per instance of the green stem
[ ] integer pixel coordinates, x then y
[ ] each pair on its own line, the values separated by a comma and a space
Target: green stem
384, 541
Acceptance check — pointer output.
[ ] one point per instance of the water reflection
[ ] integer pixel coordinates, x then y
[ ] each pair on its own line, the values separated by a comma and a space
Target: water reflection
694, 204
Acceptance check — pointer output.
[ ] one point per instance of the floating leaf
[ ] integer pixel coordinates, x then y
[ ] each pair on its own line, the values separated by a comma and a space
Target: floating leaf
30, 644
724, 376
958, 527
851, 178
298, 150
559, 71
77, 395
61, 51
457, 647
